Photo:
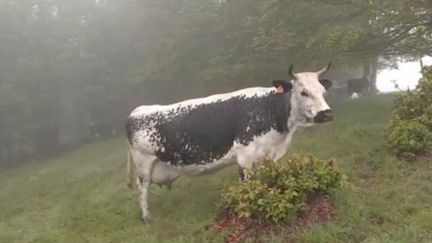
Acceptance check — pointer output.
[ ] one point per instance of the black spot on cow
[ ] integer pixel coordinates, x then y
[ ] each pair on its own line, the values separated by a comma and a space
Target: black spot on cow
202, 133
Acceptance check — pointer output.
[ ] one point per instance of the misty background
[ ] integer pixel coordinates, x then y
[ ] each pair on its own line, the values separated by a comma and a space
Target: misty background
71, 71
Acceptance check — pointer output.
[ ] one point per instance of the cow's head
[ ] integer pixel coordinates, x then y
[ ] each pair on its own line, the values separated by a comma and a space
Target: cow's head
308, 90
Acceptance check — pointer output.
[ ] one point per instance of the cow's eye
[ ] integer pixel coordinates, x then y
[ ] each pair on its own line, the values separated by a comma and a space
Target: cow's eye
304, 93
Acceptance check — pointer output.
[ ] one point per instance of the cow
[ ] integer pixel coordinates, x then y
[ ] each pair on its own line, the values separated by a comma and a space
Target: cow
199, 136
355, 96
358, 85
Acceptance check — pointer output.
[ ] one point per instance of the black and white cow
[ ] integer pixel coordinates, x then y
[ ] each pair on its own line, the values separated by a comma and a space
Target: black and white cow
198, 136
357, 86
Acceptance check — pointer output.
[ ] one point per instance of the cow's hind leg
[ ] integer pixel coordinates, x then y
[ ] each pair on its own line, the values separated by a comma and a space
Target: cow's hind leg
144, 164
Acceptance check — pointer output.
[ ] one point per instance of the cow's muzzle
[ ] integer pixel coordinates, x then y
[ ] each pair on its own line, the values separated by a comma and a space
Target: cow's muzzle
324, 116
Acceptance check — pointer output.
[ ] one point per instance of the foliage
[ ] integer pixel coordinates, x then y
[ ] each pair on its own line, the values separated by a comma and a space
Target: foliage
59, 74
278, 191
350, 28
408, 137
15, 129
230, 44
410, 129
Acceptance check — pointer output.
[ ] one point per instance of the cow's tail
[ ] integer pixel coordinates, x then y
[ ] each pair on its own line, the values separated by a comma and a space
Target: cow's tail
130, 169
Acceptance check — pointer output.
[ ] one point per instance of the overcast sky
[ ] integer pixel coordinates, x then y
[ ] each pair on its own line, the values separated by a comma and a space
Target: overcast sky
406, 76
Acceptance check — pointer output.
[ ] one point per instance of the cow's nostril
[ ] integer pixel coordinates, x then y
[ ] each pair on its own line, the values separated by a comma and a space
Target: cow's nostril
324, 116
327, 112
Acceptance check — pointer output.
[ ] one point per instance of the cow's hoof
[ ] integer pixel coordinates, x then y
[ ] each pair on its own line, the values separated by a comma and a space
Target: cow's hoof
145, 219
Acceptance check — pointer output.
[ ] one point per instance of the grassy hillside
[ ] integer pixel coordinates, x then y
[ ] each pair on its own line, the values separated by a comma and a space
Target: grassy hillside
82, 197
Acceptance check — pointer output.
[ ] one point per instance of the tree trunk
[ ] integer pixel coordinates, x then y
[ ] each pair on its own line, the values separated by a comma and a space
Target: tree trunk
373, 76
370, 66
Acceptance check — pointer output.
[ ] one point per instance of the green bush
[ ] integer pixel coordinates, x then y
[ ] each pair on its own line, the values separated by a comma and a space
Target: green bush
278, 191
410, 129
409, 137
408, 105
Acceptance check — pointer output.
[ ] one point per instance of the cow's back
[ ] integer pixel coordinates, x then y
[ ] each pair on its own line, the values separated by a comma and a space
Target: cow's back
198, 130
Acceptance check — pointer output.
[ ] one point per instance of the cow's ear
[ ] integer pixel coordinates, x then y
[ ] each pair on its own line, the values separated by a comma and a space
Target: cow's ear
326, 83
282, 86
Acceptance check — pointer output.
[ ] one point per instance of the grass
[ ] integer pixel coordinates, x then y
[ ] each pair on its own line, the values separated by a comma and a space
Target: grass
81, 196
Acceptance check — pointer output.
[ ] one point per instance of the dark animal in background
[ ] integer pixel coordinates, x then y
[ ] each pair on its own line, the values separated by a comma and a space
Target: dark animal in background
359, 86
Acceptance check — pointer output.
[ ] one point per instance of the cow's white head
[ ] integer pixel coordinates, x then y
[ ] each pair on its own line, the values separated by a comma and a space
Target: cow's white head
308, 91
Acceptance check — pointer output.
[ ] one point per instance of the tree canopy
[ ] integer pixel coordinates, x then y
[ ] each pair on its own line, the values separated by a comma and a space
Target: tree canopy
67, 64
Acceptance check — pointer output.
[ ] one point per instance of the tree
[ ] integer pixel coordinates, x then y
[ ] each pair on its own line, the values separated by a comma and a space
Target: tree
70, 64
254, 38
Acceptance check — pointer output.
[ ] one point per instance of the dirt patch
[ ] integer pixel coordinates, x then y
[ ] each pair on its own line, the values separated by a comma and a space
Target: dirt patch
320, 211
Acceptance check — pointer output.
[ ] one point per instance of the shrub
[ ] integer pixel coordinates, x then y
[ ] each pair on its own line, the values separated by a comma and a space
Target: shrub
278, 191
410, 128
409, 137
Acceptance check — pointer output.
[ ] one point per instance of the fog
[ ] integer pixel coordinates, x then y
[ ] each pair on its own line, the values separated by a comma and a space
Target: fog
405, 76
71, 71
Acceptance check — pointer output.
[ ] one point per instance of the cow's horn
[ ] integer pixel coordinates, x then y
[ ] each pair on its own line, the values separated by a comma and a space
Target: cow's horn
291, 73
325, 69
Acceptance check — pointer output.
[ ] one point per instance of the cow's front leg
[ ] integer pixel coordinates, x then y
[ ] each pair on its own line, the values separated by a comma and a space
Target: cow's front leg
241, 173
245, 163
143, 181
